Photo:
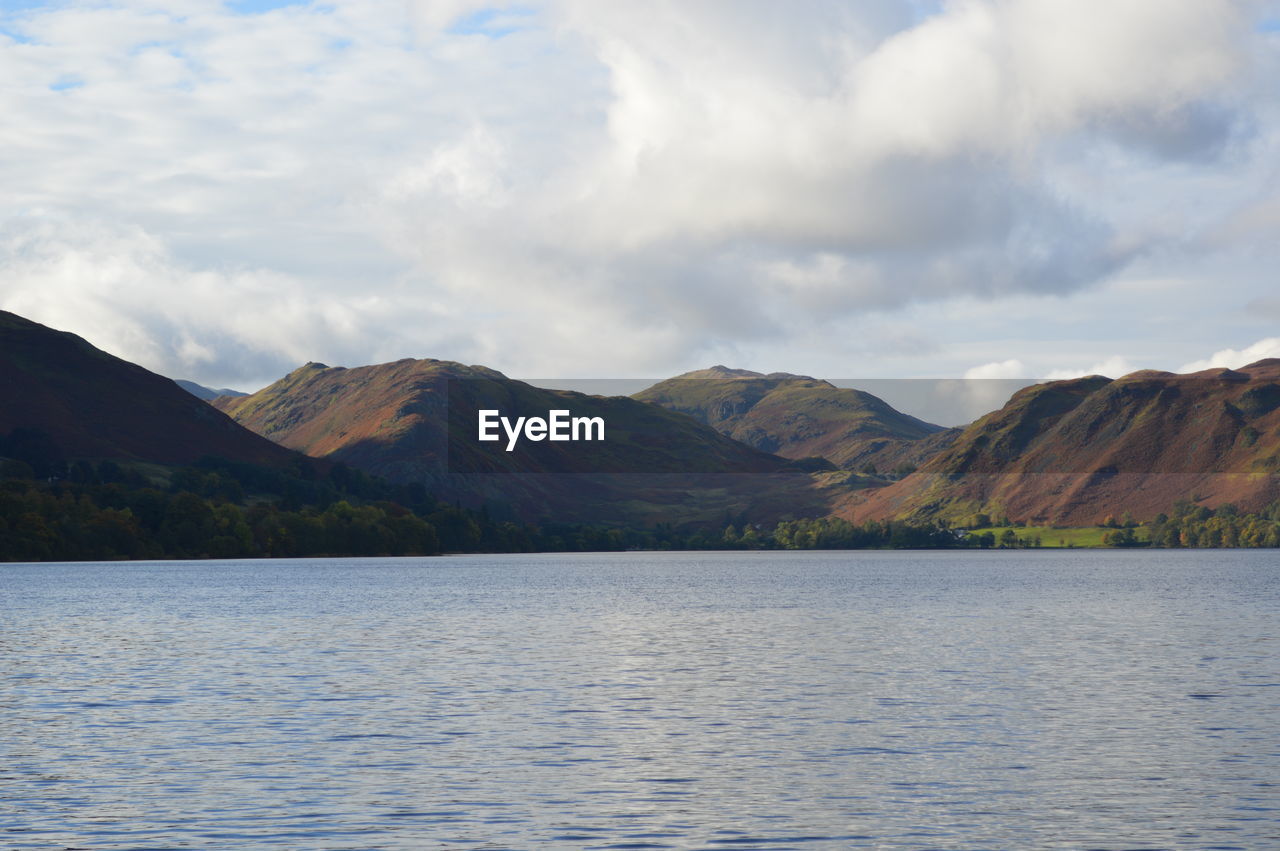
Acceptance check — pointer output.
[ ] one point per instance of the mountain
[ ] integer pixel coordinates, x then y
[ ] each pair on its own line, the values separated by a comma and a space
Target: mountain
1072, 452
96, 406
1063, 452
796, 416
417, 421
208, 394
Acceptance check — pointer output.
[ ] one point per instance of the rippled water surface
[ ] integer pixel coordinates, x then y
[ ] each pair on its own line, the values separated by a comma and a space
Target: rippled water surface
760, 700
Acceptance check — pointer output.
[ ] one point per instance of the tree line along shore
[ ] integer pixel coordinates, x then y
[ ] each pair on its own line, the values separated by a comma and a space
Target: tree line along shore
51, 510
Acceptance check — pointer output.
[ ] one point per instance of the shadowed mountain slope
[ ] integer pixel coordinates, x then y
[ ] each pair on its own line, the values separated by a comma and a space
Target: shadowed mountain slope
97, 406
1073, 452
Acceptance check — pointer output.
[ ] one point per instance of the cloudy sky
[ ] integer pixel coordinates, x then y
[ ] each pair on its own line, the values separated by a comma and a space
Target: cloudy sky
223, 191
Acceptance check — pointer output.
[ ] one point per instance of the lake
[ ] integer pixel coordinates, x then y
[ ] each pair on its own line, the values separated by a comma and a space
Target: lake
935, 700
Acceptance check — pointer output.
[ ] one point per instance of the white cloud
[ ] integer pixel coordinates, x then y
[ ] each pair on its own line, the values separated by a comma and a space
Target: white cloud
467, 171
1012, 368
116, 287
1235, 358
921, 140
1113, 367
982, 389
595, 188
988, 386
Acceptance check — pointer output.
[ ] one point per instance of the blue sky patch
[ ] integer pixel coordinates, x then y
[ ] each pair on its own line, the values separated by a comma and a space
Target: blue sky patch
257, 7
11, 10
8, 7
921, 9
495, 23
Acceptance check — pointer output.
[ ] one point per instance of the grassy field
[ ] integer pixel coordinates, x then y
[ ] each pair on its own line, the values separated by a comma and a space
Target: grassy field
1083, 536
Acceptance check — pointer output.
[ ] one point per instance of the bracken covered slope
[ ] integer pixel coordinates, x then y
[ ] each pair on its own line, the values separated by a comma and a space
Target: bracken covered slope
1073, 452
97, 406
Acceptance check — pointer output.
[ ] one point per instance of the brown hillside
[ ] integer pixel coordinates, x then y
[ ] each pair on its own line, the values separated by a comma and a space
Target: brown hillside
415, 421
1073, 452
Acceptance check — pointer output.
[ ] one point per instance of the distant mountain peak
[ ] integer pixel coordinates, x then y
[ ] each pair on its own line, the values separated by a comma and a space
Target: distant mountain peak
206, 393
795, 416
721, 372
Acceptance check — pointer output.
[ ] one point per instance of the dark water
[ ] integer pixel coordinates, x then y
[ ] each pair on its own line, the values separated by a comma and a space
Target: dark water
865, 700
